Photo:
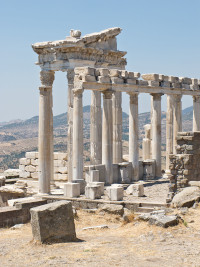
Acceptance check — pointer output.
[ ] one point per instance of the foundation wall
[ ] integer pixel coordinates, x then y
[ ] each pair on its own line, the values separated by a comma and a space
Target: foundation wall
29, 166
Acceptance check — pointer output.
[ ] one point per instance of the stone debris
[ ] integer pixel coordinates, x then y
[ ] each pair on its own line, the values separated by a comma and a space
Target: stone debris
187, 197
96, 227
12, 173
160, 219
53, 222
112, 209
136, 190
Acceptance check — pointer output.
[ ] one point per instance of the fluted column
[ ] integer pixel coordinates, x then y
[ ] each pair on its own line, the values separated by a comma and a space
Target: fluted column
117, 127
78, 135
196, 113
169, 129
156, 131
177, 109
70, 78
96, 128
107, 136
133, 136
45, 135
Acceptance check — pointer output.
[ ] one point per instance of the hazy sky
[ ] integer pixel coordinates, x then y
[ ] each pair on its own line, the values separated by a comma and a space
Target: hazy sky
159, 37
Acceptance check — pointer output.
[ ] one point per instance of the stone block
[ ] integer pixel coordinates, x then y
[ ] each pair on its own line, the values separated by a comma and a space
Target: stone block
60, 177
53, 222
133, 75
125, 172
93, 191
62, 156
103, 79
154, 83
94, 176
124, 74
59, 163
34, 175
101, 169
104, 72
142, 83
12, 173
89, 78
115, 193
82, 185
112, 209
115, 73
137, 190
185, 80
165, 84
30, 168
24, 161
84, 71
25, 175
101, 184
22, 167
32, 155
150, 77
117, 80
34, 162
2, 180
71, 190
131, 81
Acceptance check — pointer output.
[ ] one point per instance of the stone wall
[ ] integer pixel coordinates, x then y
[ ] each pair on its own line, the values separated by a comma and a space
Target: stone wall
29, 166
184, 165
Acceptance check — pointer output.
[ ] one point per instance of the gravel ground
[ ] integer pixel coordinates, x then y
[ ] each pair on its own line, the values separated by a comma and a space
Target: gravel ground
134, 244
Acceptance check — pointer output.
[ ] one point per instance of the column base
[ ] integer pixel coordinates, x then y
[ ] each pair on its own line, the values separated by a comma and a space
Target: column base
82, 185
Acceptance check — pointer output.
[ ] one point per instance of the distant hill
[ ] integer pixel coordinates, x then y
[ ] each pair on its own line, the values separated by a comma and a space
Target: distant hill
17, 137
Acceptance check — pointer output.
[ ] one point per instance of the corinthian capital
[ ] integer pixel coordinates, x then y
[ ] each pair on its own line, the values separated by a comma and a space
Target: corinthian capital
47, 77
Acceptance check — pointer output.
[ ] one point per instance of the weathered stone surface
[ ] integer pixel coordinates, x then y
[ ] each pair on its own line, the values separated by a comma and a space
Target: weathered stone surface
53, 222
187, 197
2, 180
93, 191
72, 189
150, 77
136, 190
115, 193
160, 219
112, 209
12, 173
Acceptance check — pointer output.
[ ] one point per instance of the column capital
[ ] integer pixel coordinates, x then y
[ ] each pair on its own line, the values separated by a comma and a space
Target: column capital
196, 98
133, 98
47, 77
156, 96
107, 94
70, 75
78, 91
177, 98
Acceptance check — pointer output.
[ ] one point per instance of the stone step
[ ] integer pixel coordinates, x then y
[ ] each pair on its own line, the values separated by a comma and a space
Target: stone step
152, 205
144, 210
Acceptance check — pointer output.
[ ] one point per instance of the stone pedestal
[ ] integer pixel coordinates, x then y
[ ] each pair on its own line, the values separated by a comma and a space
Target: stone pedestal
115, 193
70, 78
156, 132
107, 137
133, 136
45, 135
196, 113
177, 109
71, 190
93, 191
96, 128
117, 127
78, 135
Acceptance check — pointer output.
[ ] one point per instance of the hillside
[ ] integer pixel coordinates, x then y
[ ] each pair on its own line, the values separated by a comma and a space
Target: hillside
17, 137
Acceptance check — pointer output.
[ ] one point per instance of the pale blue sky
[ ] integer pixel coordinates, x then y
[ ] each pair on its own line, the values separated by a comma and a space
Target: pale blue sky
160, 36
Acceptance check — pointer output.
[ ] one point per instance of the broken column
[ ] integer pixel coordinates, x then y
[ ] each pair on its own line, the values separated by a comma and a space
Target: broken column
196, 113
96, 128
156, 131
133, 135
45, 132
177, 123
146, 144
107, 136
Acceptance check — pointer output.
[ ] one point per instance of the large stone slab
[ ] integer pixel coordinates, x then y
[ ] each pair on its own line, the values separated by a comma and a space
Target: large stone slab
53, 222
187, 197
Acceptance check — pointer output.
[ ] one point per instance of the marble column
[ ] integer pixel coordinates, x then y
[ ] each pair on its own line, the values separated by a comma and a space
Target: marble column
70, 78
156, 131
146, 144
196, 113
78, 135
177, 124
133, 136
96, 128
117, 127
169, 130
45, 135
107, 136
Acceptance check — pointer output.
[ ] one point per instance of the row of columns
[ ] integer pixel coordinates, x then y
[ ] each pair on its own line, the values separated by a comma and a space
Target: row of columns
106, 143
